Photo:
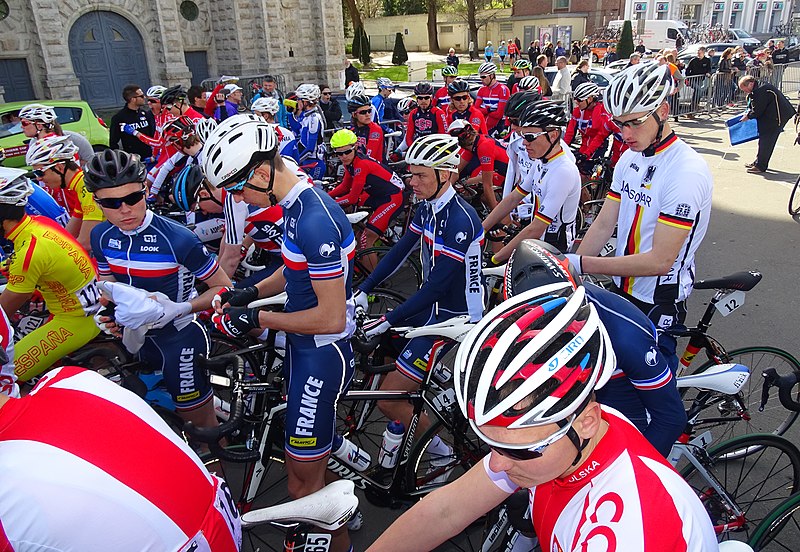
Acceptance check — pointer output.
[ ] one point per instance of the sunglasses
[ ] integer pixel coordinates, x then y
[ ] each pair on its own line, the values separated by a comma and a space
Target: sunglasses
25, 123
238, 187
139, 96
343, 153
152, 100
485, 77
39, 173
326, 93
460, 98
633, 123
423, 97
116, 202
364, 112
531, 136
534, 450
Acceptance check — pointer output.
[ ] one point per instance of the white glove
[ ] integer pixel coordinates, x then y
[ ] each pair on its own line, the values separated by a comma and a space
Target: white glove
172, 310
361, 299
101, 324
575, 260
376, 327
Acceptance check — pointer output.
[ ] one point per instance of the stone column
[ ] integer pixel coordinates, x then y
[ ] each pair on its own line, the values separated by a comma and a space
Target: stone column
167, 16
61, 82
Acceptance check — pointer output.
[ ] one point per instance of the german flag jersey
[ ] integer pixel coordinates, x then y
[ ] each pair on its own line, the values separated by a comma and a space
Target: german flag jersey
672, 186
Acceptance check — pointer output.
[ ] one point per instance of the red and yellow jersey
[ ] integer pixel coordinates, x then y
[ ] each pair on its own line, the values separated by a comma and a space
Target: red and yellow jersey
47, 258
84, 205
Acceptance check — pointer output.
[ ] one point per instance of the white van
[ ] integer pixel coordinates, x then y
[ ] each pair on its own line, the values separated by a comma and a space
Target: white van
658, 33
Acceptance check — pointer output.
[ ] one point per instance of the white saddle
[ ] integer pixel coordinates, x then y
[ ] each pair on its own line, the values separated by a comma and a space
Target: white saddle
357, 217
275, 300
455, 329
724, 378
499, 271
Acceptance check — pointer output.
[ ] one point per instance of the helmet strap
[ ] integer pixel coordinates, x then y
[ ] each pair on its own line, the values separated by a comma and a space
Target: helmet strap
651, 149
579, 443
439, 185
552, 144
268, 190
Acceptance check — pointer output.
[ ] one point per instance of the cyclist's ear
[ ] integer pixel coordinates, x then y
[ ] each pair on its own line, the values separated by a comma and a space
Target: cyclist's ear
589, 422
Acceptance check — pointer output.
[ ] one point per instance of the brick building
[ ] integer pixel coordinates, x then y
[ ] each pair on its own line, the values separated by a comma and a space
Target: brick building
90, 49
598, 12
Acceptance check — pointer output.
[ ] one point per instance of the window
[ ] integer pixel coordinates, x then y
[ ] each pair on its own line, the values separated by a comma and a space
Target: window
672, 34
506, 27
560, 4
446, 29
67, 115
3, 9
117, 36
89, 36
598, 79
189, 10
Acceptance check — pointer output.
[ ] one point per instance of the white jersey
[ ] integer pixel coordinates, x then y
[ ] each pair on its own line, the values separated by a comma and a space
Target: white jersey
556, 186
671, 187
624, 496
87, 465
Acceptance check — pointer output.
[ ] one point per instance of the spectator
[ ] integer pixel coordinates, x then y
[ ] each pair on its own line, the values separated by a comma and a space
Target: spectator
502, 52
561, 84
541, 61
634, 59
725, 78
711, 53
738, 59
132, 114
771, 110
770, 46
269, 90
472, 53
230, 107
330, 108
581, 74
679, 42
611, 55
699, 68
197, 99
518, 44
640, 49
550, 54
452, 58
586, 51
560, 50
513, 52
780, 55
350, 73
544, 84
575, 52
488, 51
534, 51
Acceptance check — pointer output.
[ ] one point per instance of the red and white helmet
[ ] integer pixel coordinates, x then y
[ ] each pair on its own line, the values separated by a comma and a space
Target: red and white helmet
533, 360
38, 113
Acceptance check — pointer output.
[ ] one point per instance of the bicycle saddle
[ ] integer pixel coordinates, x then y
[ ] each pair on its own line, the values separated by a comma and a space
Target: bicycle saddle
357, 217
454, 328
498, 271
275, 300
743, 281
724, 378
329, 508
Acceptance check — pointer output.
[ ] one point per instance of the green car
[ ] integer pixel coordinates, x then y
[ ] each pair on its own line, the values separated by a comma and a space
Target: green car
75, 116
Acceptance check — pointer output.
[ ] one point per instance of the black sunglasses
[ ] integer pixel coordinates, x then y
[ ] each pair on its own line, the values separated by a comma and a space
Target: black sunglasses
460, 98
343, 153
116, 202
151, 100
517, 454
531, 136
423, 97
364, 112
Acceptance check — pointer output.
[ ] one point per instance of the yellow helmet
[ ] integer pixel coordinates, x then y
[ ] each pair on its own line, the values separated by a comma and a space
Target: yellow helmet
343, 137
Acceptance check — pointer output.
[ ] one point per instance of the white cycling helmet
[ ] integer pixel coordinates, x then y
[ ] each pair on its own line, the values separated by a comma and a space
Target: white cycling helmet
355, 89
533, 360
405, 105
52, 149
585, 91
640, 88
487, 68
155, 91
384, 82
270, 105
437, 151
308, 92
38, 113
14, 187
235, 146
204, 128
528, 83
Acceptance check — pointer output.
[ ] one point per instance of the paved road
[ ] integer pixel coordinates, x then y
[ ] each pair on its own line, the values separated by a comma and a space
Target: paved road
750, 229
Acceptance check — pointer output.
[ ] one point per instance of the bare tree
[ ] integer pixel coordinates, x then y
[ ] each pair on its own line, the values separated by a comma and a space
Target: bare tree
474, 13
370, 8
355, 15
433, 33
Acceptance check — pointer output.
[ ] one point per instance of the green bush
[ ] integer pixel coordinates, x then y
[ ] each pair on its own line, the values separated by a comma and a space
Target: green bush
348, 49
399, 56
625, 44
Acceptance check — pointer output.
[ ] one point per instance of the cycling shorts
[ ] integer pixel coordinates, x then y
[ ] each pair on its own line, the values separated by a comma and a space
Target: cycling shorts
412, 362
175, 353
60, 336
384, 208
316, 376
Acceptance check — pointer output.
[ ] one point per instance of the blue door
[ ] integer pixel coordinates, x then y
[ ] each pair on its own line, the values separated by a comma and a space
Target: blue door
16, 80
107, 54
197, 62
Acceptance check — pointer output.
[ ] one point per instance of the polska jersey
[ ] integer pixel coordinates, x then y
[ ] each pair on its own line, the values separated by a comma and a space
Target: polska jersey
624, 496
62, 488
673, 187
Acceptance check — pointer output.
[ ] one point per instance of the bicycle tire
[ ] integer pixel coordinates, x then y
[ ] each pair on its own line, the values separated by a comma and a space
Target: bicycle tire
406, 280
777, 477
794, 199
775, 419
785, 517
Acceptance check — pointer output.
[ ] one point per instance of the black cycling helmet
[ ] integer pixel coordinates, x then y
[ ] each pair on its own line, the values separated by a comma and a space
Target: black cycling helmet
543, 114
187, 186
519, 100
534, 264
173, 94
357, 102
111, 168
423, 89
457, 86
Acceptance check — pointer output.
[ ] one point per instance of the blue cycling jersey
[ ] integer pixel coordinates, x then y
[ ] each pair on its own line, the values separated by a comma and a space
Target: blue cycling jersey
642, 387
41, 203
308, 127
378, 102
450, 234
318, 244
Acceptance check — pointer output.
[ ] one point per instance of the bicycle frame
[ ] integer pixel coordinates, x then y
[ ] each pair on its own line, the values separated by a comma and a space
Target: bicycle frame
699, 339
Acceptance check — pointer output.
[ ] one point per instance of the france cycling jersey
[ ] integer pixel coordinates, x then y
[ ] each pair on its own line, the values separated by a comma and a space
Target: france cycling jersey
308, 127
379, 105
40, 203
643, 385
287, 143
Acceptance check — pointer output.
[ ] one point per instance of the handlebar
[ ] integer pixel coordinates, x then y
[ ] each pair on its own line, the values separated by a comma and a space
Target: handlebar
784, 385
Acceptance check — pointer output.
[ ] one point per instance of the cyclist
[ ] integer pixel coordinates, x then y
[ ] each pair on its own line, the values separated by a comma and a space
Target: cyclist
175, 101
528, 83
643, 385
205, 127
53, 162
40, 203
492, 98
426, 118
46, 259
461, 107
366, 182
385, 89
554, 181
150, 252
525, 378
448, 233
8, 379
40, 121
660, 203
522, 68
484, 160
318, 247
370, 134
588, 99
202, 204
519, 163
181, 133
585, 96
267, 108
308, 123
441, 98
62, 477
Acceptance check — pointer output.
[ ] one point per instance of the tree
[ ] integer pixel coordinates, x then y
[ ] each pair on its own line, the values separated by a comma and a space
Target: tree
625, 44
364, 48
355, 16
474, 14
399, 55
433, 32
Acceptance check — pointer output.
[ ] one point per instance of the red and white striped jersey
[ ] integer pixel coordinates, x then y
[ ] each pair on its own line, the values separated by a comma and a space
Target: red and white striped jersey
624, 496
87, 465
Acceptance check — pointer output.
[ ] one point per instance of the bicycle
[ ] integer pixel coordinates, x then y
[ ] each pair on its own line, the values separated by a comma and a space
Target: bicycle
794, 200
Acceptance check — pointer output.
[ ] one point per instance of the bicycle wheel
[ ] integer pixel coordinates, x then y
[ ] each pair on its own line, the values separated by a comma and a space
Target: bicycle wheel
780, 530
427, 471
794, 199
756, 481
774, 419
406, 280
